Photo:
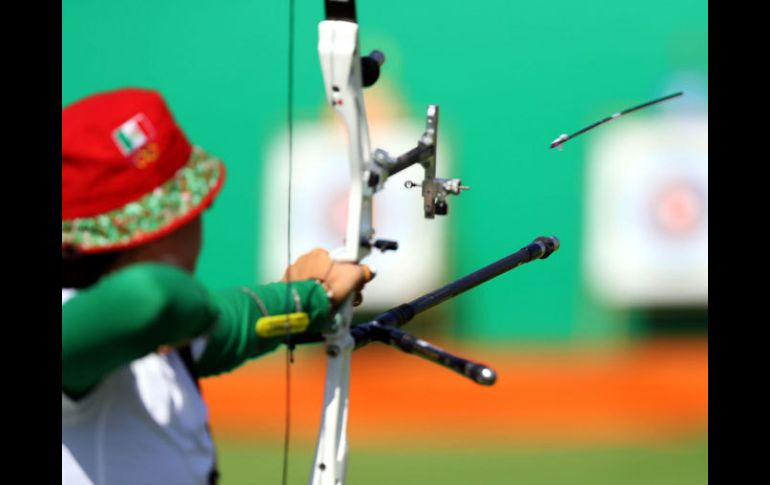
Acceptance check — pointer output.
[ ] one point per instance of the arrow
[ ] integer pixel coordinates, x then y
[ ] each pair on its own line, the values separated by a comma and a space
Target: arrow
558, 142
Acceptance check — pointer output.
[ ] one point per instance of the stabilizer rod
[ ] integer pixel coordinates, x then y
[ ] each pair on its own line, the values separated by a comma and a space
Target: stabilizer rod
405, 342
540, 248
385, 327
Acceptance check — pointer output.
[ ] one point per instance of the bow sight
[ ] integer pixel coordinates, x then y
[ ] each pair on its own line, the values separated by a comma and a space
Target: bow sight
434, 190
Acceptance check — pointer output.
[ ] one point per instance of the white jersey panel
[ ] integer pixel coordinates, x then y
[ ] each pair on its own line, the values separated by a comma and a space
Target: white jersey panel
145, 423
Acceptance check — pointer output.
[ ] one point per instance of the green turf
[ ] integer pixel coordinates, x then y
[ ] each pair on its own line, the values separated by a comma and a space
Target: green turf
681, 464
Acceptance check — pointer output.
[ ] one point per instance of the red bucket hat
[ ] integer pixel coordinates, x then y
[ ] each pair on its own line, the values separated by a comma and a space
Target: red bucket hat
129, 174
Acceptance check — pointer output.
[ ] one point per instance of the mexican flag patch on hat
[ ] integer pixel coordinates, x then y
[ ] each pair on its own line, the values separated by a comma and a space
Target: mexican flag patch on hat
133, 134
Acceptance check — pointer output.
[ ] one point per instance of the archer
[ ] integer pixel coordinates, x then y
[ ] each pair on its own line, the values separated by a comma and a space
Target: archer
138, 329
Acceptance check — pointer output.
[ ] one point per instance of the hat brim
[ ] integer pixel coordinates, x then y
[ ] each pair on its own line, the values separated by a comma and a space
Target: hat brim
178, 201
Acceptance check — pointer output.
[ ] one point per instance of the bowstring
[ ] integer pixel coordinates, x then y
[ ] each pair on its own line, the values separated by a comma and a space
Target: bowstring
289, 349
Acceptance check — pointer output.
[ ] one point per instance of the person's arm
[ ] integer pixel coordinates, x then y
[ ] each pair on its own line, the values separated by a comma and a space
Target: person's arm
233, 338
134, 311
127, 315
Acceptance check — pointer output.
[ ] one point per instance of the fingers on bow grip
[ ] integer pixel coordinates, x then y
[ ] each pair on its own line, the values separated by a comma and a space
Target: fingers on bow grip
369, 273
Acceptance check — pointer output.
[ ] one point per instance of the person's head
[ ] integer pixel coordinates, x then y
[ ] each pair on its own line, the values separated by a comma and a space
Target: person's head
133, 187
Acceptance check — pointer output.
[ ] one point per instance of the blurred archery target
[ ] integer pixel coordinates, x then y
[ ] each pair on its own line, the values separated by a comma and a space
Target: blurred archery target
646, 231
678, 208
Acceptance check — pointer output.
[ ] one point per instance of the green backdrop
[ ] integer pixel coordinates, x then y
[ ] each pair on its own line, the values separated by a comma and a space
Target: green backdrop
509, 76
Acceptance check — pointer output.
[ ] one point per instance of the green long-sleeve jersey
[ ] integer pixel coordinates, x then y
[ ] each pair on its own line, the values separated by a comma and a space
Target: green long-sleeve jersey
138, 309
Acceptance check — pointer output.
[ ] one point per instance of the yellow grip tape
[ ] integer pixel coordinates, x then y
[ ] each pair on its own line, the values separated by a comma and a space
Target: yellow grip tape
277, 325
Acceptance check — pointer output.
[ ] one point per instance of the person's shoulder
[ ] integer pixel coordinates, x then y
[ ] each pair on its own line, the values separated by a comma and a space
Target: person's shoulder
146, 281
146, 274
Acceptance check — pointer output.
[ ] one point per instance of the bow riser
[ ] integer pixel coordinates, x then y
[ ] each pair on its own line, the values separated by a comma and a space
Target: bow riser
341, 67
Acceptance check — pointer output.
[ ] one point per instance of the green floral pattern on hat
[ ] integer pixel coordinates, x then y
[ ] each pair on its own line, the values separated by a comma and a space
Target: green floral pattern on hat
180, 196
